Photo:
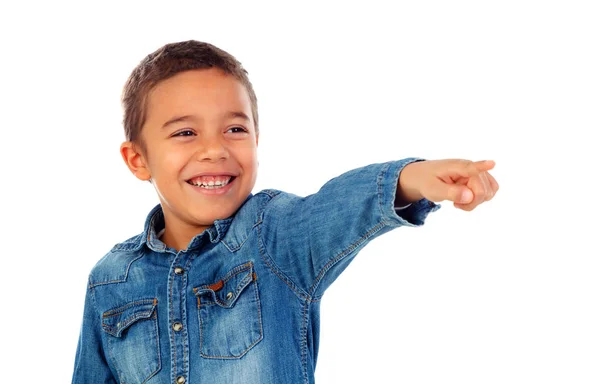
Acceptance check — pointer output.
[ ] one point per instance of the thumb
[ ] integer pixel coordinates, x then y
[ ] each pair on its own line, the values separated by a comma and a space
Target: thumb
460, 194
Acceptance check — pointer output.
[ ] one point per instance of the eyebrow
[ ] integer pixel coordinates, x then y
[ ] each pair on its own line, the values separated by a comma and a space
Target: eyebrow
227, 115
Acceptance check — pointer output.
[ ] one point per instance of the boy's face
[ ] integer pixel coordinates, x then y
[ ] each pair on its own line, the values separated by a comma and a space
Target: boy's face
203, 136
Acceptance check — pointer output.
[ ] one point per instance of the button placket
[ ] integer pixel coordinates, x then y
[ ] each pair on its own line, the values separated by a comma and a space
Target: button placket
177, 316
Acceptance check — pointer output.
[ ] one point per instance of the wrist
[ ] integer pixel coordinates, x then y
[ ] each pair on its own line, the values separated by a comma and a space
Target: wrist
406, 194
403, 197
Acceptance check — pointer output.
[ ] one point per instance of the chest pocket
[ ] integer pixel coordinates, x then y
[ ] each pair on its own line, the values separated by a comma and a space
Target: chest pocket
229, 314
133, 340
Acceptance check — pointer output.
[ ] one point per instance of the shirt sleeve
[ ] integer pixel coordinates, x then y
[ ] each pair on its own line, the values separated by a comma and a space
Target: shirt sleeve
312, 239
90, 363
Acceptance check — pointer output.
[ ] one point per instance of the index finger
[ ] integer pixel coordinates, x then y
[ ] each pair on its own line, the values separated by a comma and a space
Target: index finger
467, 168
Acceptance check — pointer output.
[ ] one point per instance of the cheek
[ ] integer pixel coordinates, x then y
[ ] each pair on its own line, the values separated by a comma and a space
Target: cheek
250, 164
169, 164
247, 155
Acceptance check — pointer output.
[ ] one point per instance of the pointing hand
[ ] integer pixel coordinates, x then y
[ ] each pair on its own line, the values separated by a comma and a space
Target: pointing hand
464, 182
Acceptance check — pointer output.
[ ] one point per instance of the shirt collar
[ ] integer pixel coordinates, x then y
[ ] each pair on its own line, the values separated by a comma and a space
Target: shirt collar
155, 222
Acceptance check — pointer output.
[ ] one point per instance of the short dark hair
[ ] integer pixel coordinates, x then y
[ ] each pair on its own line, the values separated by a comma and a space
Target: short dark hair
166, 62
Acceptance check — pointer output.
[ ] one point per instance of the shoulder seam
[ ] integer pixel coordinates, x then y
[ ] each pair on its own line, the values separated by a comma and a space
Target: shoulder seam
348, 251
131, 244
270, 192
268, 260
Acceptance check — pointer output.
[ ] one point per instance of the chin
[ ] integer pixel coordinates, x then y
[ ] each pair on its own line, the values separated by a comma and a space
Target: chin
209, 216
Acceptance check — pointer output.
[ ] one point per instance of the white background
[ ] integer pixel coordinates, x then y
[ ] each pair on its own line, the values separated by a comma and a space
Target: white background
507, 293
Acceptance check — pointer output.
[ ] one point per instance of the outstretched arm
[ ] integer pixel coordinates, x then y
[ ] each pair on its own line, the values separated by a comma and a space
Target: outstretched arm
312, 239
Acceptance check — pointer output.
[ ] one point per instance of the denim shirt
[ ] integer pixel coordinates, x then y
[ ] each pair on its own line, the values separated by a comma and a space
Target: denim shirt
241, 303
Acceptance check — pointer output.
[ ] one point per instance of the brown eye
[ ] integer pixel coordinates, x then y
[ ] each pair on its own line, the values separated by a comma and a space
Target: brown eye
187, 132
240, 128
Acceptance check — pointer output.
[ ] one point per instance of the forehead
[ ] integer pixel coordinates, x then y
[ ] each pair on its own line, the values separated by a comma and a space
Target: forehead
205, 93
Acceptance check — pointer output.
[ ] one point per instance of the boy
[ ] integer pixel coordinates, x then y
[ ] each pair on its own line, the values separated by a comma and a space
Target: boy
224, 286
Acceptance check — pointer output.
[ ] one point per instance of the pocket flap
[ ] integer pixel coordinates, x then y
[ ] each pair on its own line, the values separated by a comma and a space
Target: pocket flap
118, 319
226, 290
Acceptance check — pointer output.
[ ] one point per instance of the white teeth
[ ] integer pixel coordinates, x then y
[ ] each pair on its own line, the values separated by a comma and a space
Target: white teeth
211, 184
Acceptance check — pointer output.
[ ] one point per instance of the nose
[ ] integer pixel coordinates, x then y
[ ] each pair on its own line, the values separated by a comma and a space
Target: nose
212, 148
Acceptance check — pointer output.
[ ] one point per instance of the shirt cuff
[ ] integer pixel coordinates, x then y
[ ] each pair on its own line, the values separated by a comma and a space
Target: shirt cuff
412, 215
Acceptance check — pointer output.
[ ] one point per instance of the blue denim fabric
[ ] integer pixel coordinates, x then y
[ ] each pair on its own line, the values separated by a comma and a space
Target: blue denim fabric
241, 303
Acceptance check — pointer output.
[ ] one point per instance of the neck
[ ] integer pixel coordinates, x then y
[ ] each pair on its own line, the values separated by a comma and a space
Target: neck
177, 234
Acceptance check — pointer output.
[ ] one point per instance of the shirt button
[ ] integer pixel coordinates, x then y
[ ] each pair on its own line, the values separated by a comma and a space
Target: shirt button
178, 270
180, 380
177, 326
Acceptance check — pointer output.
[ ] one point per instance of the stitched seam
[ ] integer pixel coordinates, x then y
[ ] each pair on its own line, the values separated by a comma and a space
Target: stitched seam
155, 318
380, 178
201, 328
171, 335
226, 245
269, 192
96, 313
106, 282
129, 244
119, 373
111, 340
126, 247
271, 265
262, 250
127, 322
260, 324
380, 190
251, 345
184, 320
119, 310
304, 342
343, 254
234, 272
233, 249
123, 279
236, 248
237, 291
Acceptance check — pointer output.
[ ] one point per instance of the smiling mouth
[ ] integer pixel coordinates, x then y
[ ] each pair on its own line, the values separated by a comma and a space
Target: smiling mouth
210, 184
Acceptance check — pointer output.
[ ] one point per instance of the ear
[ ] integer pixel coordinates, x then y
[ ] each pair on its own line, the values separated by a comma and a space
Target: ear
135, 160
